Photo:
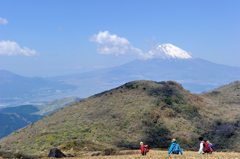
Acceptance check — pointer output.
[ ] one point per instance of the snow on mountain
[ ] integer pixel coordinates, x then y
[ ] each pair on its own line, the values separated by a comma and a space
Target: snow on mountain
167, 51
173, 51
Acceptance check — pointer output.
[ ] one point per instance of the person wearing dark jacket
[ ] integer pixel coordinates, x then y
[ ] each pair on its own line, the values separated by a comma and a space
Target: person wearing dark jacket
175, 148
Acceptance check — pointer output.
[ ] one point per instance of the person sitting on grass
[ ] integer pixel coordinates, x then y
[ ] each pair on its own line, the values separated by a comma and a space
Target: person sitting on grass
175, 148
210, 145
204, 148
201, 145
143, 149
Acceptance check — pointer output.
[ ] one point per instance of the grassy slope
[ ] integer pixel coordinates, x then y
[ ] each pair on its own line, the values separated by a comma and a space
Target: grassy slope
227, 98
137, 111
225, 130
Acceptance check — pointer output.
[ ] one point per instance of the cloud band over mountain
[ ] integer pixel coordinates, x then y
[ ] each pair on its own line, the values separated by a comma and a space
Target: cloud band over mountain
11, 48
112, 44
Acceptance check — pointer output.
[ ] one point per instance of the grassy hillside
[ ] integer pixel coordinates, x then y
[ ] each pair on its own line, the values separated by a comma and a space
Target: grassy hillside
152, 112
227, 98
14, 118
225, 131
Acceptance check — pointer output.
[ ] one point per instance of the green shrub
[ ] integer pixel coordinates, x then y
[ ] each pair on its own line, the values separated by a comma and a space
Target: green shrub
214, 93
169, 101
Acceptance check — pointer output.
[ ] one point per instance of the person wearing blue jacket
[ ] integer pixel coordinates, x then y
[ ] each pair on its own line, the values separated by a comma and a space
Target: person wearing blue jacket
175, 148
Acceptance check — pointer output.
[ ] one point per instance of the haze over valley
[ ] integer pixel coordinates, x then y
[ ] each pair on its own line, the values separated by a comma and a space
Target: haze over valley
166, 62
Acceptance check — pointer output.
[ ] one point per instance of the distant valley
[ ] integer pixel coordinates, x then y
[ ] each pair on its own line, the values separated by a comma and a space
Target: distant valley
14, 118
18, 90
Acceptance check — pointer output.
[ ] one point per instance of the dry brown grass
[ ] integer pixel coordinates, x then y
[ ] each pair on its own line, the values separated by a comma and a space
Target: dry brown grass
122, 117
157, 154
225, 100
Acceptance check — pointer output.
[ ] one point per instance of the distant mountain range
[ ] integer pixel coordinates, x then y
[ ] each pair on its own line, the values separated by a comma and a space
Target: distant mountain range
196, 75
166, 62
18, 90
14, 118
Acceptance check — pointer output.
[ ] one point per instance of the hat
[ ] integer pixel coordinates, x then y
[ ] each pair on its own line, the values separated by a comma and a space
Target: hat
174, 140
141, 143
208, 142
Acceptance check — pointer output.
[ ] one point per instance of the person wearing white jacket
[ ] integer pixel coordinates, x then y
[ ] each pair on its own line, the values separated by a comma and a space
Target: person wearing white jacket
201, 146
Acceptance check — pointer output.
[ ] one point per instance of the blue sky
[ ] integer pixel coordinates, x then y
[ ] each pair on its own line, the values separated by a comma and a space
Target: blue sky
49, 38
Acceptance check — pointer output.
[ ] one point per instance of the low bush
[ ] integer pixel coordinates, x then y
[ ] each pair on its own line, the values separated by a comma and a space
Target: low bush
21, 155
18, 155
169, 101
8, 155
109, 151
214, 93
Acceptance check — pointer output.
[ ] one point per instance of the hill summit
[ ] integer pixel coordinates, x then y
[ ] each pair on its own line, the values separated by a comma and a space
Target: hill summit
152, 112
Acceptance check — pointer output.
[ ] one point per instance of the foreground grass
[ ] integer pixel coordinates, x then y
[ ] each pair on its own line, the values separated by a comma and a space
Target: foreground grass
157, 154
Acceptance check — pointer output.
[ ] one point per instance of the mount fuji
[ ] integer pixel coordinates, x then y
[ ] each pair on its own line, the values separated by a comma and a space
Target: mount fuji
166, 62
167, 51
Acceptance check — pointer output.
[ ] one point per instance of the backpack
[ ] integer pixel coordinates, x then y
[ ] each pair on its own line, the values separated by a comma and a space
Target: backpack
206, 148
175, 149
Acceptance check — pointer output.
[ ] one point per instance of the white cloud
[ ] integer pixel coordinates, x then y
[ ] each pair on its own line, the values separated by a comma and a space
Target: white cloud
3, 21
11, 48
112, 44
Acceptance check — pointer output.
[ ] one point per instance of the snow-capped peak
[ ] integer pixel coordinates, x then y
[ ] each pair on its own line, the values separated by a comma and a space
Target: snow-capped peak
167, 51
173, 51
